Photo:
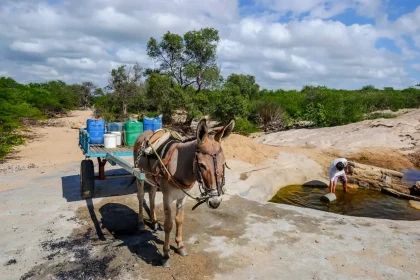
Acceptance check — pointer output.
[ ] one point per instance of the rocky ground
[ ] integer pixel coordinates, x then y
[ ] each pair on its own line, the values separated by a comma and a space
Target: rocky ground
49, 232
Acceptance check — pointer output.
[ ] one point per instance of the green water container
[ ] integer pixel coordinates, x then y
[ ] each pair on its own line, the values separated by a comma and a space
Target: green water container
132, 130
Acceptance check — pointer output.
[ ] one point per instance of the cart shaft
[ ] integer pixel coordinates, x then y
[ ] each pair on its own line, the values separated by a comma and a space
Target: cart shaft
125, 165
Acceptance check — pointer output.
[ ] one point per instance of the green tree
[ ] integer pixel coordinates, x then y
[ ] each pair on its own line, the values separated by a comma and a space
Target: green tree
189, 60
124, 81
369, 87
246, 83
87, 94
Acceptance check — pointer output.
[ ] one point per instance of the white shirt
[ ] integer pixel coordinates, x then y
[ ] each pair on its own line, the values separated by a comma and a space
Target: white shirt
333, 170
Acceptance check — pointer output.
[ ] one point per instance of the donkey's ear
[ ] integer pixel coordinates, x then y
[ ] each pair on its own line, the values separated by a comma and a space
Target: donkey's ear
202, 132
224, 132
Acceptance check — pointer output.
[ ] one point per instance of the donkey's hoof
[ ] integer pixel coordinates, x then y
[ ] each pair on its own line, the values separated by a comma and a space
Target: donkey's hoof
155, 226
183, 251
141, 227
165, 262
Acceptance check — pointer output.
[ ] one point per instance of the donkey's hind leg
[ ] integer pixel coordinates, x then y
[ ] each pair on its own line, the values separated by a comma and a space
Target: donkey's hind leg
140, 196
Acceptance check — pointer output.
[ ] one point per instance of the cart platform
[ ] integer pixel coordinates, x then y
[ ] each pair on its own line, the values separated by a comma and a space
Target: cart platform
99, 150
104, 155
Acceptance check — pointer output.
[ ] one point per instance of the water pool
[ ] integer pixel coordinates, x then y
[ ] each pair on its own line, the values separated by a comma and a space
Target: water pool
357, 202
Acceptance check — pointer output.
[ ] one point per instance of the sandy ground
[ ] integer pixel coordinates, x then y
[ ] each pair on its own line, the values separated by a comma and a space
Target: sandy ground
402, 133
49, 232
49, 145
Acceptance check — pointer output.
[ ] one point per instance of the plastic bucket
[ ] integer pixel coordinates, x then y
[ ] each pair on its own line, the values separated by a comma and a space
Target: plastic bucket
157, 122
114, 126
132, 131
118, 134
110, 141
148, 123
152, 123
96, 130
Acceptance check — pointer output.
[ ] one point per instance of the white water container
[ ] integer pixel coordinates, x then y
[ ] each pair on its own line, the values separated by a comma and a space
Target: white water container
110, 141
118, 137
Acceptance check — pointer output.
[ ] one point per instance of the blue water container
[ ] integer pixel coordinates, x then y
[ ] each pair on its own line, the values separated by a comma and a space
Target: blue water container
148, 123
114, 126
157, 122
96, 130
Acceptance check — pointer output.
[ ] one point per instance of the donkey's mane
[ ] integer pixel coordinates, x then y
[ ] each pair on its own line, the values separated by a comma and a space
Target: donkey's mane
189, 139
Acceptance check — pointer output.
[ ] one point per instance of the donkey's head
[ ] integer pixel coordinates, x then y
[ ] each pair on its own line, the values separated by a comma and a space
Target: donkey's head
210, 161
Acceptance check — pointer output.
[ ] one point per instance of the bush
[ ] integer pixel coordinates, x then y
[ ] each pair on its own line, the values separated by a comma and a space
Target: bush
271, 116
244, 127
380, 115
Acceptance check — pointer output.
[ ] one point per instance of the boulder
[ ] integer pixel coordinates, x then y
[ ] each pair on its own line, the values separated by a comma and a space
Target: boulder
414, 204
416, 187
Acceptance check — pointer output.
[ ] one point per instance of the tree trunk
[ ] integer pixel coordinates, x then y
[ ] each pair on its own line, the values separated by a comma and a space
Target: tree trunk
124, 109
188, 121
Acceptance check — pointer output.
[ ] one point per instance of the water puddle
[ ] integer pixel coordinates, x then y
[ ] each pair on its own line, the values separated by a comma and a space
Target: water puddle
411, 176
357, 202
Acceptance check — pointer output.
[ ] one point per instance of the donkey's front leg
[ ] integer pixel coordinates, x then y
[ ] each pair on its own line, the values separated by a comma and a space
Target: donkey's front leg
179, 219
140, 196
152, 196
168, 225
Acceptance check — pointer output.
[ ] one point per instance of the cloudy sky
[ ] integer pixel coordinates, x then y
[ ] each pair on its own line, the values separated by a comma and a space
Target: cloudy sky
283, 43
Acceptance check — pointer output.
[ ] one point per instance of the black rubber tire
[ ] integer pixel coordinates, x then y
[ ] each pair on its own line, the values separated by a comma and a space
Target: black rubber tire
87, 179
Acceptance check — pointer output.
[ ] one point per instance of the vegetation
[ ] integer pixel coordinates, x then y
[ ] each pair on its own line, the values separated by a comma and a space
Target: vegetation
34, 101
187, 79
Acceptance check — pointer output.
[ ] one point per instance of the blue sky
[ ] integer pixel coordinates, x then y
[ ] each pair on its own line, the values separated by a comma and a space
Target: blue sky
284, 44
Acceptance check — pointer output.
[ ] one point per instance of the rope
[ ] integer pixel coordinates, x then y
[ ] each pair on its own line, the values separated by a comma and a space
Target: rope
198, 199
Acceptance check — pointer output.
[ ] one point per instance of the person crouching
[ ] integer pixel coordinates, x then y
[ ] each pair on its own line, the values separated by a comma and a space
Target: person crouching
338, 171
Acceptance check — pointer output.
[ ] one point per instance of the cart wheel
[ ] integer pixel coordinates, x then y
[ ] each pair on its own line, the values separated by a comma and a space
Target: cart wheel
87, 178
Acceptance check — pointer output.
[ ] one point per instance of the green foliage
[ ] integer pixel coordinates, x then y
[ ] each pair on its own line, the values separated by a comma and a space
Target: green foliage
270, 115
230, 103
368, 87
316, 113
244, 126
189, 60
32, 101
380, 115
125, 82
246, 83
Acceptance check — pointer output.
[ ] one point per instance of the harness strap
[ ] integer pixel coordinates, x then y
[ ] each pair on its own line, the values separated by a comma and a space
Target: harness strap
164, 163
168, 158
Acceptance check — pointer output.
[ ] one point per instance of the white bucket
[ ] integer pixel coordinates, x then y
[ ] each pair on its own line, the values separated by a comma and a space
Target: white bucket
118, 137
110, 141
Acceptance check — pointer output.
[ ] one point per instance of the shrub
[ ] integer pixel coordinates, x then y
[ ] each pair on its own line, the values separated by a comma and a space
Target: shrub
380, 115
271, 116
244, 127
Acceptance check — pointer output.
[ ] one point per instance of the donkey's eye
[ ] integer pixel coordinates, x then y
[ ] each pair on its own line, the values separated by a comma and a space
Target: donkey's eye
202, 166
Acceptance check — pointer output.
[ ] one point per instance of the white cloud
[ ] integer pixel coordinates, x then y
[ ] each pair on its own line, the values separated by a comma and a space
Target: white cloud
78, 40
325, 8
75, 63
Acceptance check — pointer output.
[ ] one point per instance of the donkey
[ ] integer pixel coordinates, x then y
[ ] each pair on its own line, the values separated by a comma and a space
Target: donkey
201, 160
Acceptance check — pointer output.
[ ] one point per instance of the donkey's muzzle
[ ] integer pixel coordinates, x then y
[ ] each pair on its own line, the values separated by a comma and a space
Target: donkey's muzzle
214, 202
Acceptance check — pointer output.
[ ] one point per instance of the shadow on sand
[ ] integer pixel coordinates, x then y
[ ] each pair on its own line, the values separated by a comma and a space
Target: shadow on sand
117, 219
110, 187
121, 222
